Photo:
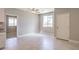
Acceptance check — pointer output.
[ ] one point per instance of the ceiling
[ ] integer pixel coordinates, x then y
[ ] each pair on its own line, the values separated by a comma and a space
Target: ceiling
41, 10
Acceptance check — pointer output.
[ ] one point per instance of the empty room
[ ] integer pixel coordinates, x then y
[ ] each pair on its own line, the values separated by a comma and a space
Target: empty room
39, 28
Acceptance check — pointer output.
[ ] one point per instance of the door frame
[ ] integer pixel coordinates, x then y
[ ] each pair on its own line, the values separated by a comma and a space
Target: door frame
16, 26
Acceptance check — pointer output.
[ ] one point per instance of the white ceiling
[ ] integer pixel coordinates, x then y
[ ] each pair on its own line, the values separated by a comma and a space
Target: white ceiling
41, 10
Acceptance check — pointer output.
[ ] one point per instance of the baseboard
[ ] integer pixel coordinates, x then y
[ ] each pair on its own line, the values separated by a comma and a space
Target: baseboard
73, 41
62, 39
26, 35
22, 35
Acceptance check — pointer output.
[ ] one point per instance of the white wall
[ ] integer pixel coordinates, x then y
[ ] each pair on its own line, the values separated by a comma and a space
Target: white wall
27, 22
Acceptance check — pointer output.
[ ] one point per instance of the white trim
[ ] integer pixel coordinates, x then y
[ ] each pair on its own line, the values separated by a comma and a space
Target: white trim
32, 34
21, 35
24, 35
73, 41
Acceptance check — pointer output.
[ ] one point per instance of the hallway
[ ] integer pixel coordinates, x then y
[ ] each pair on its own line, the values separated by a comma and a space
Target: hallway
38, 42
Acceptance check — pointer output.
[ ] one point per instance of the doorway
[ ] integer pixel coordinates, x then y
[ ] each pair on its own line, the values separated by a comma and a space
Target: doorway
11, 26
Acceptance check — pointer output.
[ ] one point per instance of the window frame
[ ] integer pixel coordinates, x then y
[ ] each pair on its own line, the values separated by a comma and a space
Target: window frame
15, 23
47, 23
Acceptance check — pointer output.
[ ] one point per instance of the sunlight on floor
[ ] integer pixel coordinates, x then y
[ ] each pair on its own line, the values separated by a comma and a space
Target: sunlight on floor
34, 34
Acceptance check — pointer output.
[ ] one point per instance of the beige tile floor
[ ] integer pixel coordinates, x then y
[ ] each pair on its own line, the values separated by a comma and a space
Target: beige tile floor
38, 42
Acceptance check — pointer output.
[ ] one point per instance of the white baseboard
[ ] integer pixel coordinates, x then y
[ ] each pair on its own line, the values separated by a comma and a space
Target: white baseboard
73, 41
22, 35
27, 34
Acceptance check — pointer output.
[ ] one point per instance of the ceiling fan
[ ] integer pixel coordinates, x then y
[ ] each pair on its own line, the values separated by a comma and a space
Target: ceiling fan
35, 11
41, 10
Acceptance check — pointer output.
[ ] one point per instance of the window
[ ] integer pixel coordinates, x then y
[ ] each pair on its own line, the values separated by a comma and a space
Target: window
12, 21
47, 21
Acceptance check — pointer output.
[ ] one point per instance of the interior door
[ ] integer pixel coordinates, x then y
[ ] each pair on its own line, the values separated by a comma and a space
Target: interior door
62, 26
